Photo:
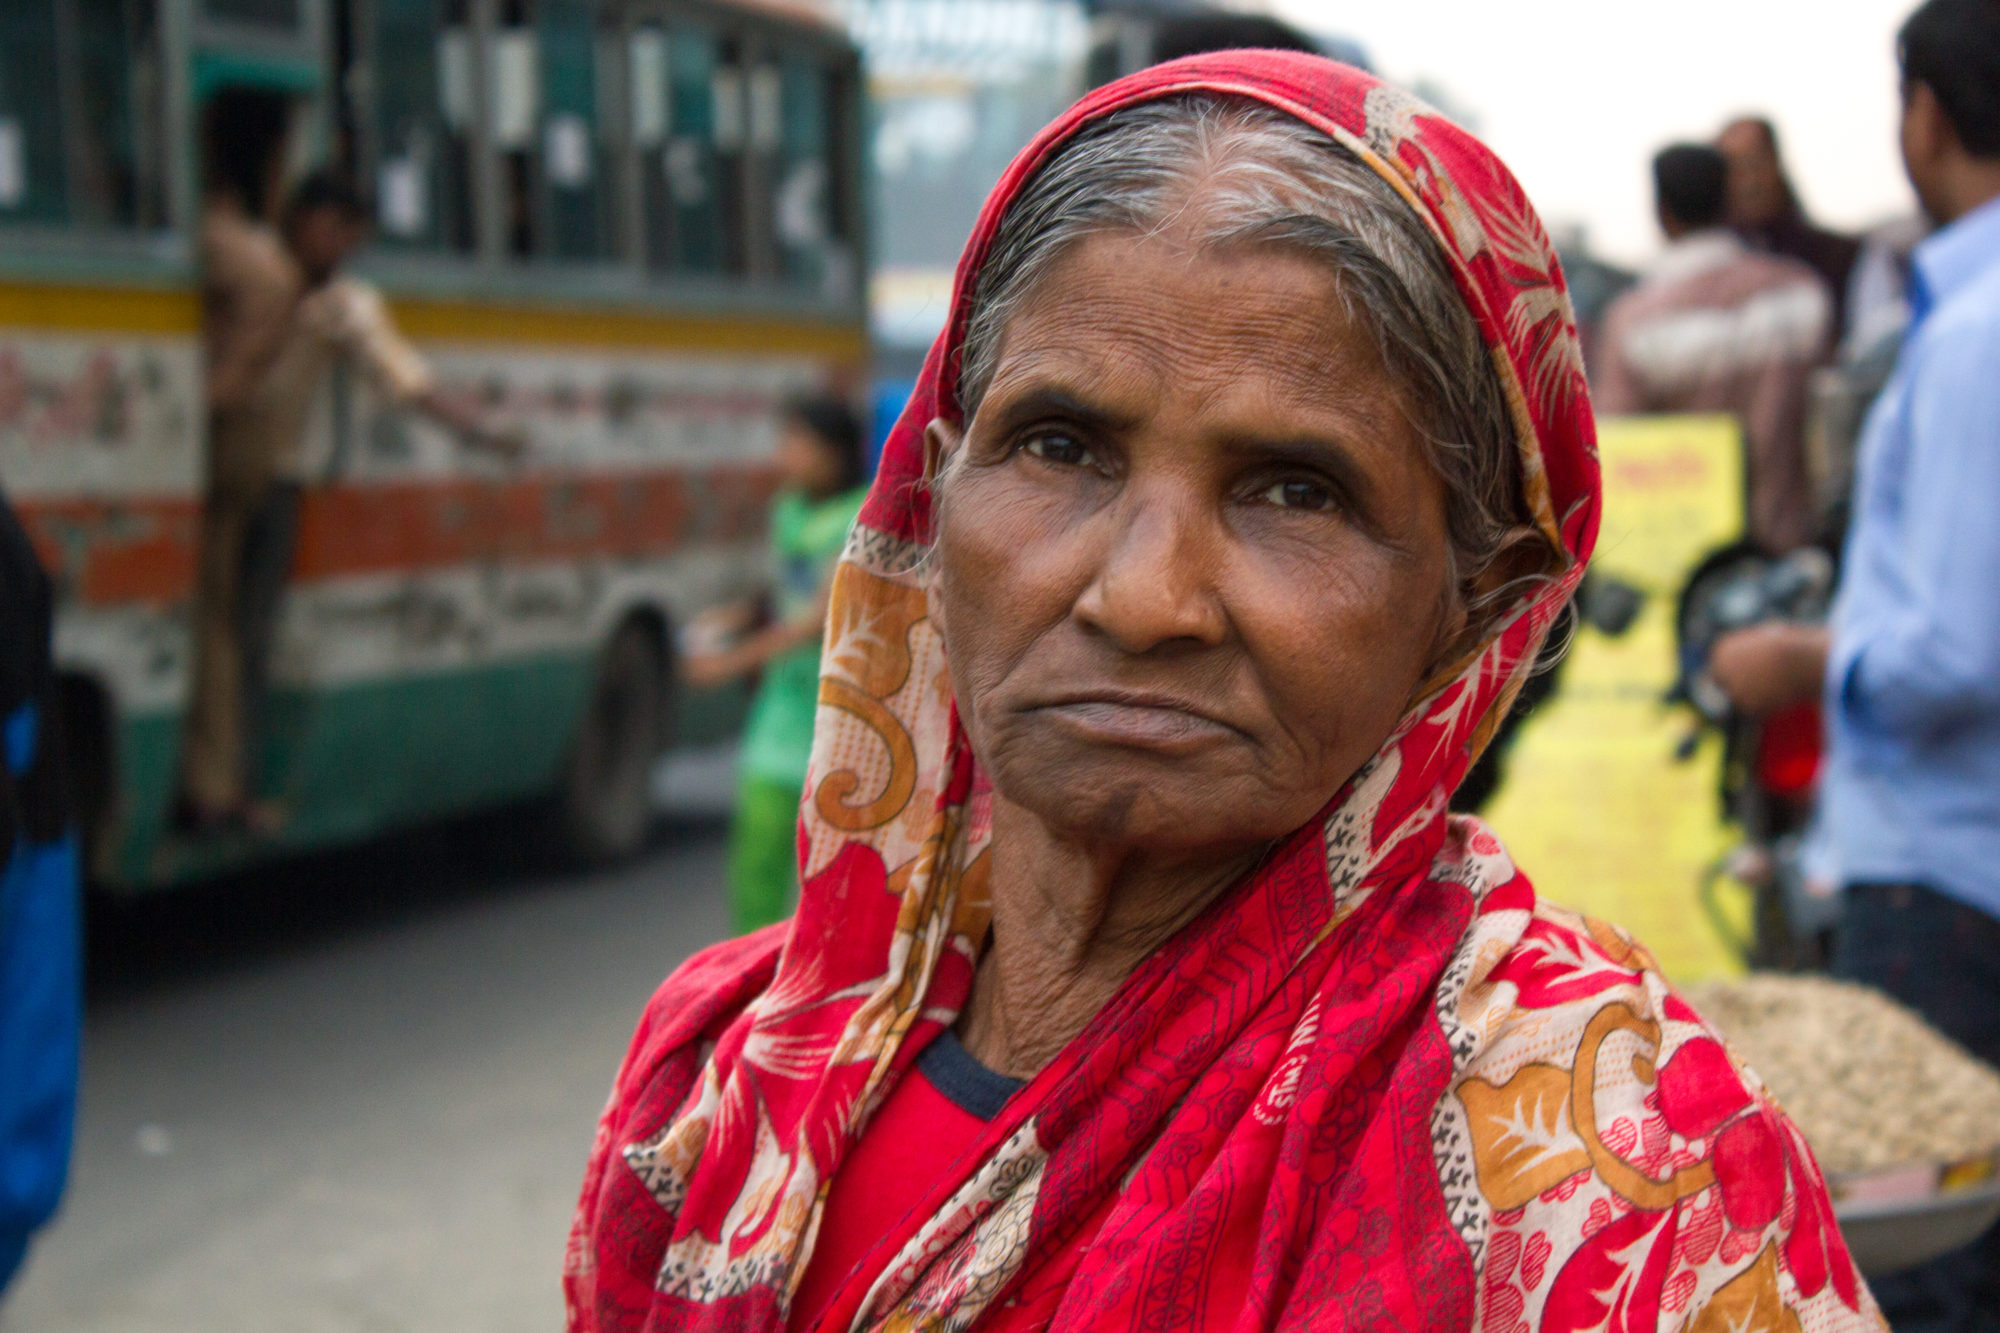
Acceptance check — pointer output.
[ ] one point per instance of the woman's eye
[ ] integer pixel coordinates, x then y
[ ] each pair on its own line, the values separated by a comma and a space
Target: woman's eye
1298, 495
1066, 450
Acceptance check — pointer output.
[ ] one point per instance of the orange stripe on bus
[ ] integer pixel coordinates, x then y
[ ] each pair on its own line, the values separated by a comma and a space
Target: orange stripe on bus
143, 550
106, 552
356, 530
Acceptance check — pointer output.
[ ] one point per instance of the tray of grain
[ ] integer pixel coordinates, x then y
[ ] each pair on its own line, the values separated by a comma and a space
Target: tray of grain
1905, 1122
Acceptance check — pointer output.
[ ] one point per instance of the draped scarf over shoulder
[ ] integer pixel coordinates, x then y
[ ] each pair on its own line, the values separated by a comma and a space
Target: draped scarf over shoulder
1375, 1084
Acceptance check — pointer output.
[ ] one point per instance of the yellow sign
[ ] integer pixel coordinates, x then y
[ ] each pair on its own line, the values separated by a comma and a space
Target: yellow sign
1594, 806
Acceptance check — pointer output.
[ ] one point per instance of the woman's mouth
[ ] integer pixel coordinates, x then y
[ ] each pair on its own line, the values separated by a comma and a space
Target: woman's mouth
1142, 721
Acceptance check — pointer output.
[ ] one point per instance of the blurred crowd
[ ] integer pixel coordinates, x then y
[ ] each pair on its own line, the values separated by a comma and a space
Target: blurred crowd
1753, 309
1862, 371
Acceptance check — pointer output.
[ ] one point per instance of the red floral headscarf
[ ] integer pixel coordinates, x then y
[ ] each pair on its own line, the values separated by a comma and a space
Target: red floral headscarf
1375, 1084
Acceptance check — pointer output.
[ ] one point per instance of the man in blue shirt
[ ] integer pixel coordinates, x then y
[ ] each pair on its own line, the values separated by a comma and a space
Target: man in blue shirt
1910, 669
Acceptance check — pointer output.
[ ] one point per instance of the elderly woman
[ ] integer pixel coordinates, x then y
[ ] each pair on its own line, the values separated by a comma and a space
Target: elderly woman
1140, 978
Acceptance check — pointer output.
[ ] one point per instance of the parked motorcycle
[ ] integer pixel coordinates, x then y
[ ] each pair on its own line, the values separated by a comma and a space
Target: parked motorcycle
1770, 765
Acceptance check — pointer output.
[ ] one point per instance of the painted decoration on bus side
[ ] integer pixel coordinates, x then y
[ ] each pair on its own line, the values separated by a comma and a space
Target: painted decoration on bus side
644, 484
106, 416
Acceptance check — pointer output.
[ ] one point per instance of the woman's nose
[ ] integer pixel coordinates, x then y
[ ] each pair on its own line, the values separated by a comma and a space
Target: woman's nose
1155, 582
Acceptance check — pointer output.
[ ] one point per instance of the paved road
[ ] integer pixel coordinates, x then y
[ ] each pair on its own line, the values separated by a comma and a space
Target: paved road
356, 1095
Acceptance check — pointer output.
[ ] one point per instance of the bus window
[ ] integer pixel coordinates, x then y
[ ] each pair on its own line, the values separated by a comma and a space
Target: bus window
691, 156
548, 130
575, 159
420, 75
806, 218
732, 123
514, 106
255, 13
31, 151
79, 88
648, 112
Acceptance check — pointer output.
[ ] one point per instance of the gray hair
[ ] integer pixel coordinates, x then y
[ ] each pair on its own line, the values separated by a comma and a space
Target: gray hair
1237, 172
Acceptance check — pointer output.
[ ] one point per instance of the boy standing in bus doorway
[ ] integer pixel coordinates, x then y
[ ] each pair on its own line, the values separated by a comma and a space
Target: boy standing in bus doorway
325, 221
822, 482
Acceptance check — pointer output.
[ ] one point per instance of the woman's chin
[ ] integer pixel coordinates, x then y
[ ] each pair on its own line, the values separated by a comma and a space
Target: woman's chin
1150, 804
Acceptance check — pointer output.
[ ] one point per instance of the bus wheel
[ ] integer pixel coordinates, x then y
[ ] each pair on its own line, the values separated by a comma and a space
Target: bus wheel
606, 801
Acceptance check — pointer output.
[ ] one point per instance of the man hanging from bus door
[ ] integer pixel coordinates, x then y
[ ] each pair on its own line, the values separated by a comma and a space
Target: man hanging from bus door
250, 291
324, 221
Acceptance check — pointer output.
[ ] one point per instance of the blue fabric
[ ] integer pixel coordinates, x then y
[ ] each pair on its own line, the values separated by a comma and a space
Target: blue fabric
17, 739
1912, 791
40, 1000
889, 396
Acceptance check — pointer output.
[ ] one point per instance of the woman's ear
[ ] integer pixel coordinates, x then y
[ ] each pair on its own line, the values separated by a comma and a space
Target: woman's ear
1524, 554
942, 439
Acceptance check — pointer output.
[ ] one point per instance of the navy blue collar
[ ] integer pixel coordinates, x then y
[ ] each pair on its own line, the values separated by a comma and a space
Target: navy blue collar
961, 1080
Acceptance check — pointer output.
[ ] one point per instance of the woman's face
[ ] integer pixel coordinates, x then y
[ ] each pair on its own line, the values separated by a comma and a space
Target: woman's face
1193, 562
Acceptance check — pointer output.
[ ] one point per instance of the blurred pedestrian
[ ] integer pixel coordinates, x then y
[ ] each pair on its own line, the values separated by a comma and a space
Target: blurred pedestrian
40, 994
822, 482
1713, 326
324, 224
250, 293
1910, 668
1878, 313
248, 283
1765, 209
1878, 293
258, 472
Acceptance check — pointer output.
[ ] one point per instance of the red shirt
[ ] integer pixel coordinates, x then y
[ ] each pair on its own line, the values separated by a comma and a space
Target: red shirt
934, 1116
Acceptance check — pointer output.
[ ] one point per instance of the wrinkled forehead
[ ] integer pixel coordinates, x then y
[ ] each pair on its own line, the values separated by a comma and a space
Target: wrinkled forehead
1184, 323
1501, 260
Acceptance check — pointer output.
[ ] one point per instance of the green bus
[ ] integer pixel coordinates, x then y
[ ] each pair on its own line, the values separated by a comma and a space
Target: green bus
626, 228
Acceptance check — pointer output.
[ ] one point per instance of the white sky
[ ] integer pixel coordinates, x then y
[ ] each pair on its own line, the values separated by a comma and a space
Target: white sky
1576, 95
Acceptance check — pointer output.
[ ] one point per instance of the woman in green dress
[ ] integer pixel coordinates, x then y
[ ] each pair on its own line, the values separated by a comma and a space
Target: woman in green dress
822, 482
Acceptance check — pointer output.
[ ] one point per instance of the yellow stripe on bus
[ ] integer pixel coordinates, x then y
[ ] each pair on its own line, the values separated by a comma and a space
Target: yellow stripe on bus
166, 310
479, 321
125, 309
